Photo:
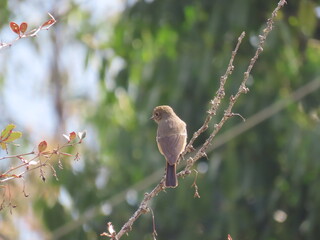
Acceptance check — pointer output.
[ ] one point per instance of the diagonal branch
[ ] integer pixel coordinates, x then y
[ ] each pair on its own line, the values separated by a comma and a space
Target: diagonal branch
214, 104
242, 89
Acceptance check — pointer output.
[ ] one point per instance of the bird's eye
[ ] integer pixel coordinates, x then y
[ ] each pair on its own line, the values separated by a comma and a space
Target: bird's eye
157, 114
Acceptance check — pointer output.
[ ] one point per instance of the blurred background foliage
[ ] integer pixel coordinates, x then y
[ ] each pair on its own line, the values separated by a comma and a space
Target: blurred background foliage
106, 72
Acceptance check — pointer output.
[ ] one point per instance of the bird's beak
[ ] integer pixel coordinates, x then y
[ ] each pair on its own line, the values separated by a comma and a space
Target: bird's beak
152, 117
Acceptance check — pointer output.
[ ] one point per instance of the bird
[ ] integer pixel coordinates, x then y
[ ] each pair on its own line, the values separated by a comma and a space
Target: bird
171, 140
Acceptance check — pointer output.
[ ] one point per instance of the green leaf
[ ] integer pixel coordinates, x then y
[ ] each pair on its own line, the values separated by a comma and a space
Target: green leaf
13, 136
6, 132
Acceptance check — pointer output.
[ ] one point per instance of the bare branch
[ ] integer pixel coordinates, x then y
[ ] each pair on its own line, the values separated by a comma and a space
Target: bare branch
220, 94
20, 156
214, 105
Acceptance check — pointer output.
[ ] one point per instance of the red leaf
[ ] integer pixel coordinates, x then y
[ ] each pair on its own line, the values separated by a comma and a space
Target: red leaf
23, 27
48, 23
42, 146
72, 135
15, 27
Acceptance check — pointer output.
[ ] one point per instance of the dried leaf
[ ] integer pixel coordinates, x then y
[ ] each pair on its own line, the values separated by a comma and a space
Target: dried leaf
15, 27
23, 27
48, 23
42, 146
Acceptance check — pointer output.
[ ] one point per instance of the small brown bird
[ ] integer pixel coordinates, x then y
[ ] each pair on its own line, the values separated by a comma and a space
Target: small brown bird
171, 140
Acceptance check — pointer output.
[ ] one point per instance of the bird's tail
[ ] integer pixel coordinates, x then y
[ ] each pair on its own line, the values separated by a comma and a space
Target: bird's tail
171, 176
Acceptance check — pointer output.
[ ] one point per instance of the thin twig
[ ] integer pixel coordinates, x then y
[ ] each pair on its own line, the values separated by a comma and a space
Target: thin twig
194, 184
32, 33
39, 160
7, 175
24, 188
18, 155
154, 232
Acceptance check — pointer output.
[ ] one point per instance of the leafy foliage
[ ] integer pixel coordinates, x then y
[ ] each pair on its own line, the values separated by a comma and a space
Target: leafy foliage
8, 136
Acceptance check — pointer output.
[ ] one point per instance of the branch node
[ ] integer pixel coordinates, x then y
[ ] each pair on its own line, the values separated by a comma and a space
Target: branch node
144, 209
190, 148
210, 112
204, 154
228, 115
244, 89
190, 161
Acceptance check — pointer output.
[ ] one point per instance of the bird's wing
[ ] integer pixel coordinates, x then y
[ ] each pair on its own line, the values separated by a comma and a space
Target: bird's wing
171, 146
